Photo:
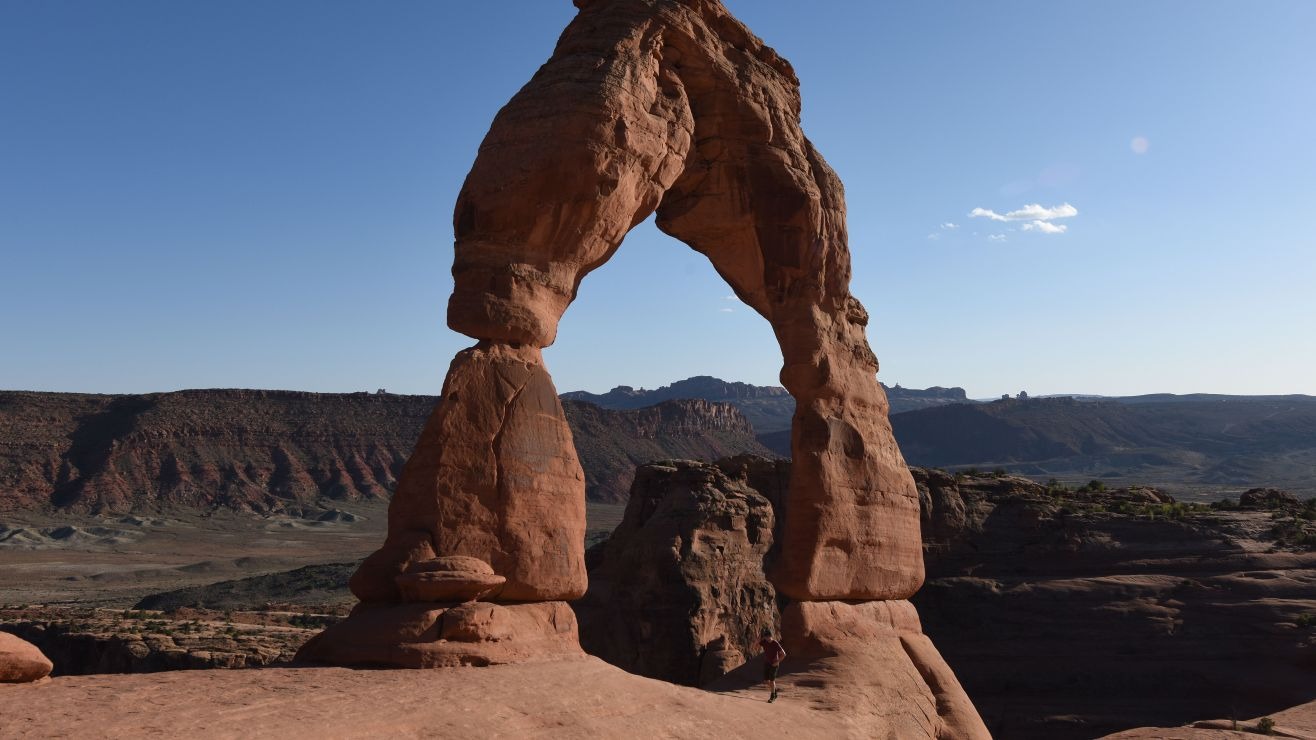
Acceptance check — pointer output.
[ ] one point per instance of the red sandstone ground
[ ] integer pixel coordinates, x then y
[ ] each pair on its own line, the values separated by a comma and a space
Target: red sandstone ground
582, 698
1298, 722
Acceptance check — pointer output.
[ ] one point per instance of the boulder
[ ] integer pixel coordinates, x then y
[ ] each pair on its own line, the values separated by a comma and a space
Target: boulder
1267, 498
452, 578
21, 661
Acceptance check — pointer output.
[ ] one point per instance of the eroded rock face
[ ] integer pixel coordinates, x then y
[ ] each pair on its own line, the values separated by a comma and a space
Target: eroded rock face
495, 476
678, 592
21, 661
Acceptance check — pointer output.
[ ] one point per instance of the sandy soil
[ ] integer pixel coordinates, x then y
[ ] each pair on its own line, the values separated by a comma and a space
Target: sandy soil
579, 698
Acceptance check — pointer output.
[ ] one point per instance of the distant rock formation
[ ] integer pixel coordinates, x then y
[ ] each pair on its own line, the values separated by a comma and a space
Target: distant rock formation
769, 408
610, 444
285, 451
1177, 441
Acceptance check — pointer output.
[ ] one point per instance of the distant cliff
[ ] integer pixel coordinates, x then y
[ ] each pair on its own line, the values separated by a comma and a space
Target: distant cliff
280, 450
1169, 440
612, 443
768, 407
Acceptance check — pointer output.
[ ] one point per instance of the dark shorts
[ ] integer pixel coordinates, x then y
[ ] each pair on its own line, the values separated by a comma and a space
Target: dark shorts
769, 672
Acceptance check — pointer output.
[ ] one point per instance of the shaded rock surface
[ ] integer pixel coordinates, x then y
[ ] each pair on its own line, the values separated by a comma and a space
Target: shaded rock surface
1068, 614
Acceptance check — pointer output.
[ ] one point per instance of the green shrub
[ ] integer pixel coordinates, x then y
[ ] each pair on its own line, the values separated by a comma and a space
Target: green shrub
1266, 726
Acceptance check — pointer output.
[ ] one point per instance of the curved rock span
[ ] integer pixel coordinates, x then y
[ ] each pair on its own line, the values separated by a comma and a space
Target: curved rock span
670, 107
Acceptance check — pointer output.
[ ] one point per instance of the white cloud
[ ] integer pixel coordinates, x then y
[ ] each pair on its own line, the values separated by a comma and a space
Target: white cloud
934, 236
1031, 212
1045, 227
949, 226
996, 237
727, 310
730, 298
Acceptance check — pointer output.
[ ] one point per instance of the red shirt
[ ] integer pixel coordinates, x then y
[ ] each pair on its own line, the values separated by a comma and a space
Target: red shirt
773, 652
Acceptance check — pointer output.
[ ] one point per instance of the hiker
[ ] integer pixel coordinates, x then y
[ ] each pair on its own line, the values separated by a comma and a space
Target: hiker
773, 654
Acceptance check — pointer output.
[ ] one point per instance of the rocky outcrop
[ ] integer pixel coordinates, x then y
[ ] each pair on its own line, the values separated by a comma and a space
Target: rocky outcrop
97, 641
21, 661
285, 451
678, 591
1066, 613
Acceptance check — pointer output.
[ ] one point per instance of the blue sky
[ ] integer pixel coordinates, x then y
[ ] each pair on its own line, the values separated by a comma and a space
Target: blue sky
254, 194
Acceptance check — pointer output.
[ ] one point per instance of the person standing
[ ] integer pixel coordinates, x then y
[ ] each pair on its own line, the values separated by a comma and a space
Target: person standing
773, 654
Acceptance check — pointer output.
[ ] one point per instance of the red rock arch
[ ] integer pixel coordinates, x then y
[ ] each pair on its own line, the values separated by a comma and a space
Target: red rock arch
670, 106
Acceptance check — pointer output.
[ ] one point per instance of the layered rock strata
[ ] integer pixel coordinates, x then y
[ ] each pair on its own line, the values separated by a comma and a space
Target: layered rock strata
648, 106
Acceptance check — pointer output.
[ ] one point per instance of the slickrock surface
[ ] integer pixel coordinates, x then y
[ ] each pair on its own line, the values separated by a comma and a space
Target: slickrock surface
580, 698
1298, 722
21, 661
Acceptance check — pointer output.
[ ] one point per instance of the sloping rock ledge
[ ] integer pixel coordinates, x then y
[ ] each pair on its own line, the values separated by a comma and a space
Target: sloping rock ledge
576, 698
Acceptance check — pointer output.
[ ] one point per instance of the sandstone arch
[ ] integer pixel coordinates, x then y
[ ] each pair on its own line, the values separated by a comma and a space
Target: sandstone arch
673, 107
